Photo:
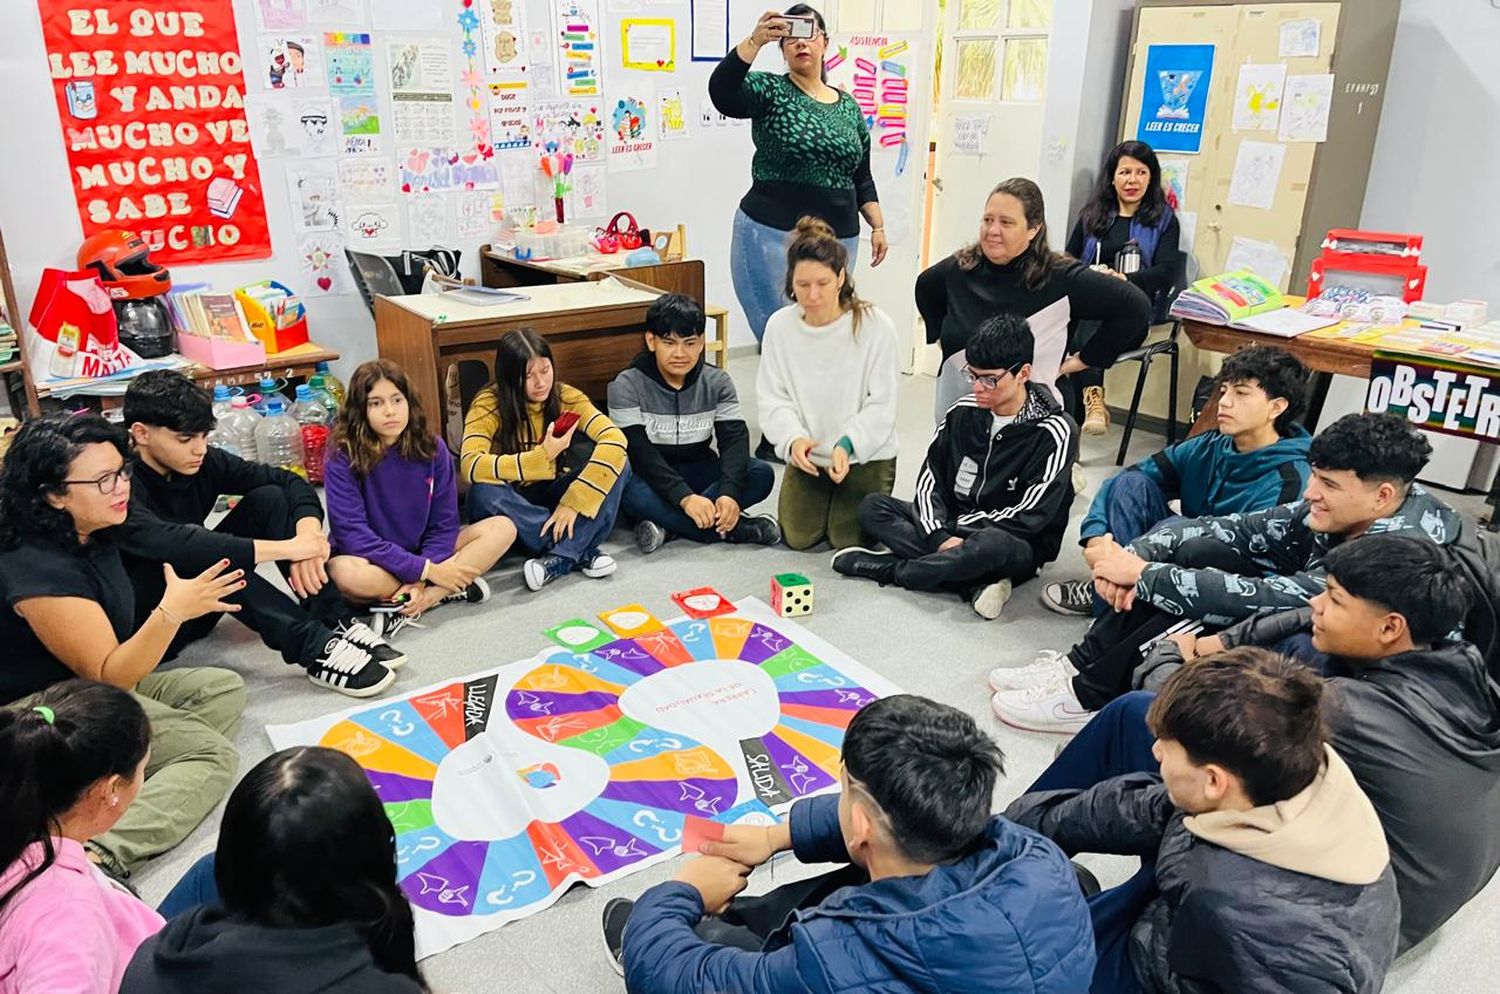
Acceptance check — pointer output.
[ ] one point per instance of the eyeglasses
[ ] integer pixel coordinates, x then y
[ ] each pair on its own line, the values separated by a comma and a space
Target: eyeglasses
108, 483
989, 380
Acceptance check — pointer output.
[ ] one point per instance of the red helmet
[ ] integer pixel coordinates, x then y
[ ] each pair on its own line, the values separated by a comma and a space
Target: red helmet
120, 260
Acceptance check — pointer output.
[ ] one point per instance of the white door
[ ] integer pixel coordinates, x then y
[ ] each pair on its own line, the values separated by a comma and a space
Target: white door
989, 122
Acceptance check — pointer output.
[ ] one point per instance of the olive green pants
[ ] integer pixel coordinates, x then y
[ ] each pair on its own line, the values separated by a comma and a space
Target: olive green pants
813, 508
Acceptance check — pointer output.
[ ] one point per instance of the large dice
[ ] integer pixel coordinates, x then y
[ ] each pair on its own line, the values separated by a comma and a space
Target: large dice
791, 594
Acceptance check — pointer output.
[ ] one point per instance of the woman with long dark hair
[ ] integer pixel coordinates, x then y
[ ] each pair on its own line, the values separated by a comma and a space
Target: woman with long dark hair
812, 157
1012, 270
393, 505
69, 610
307, 894
826, 392
72, 759
562, 495
1127, 230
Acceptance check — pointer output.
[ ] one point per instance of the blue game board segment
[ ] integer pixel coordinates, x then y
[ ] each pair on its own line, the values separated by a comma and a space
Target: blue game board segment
512, 877
762, 643
649, 742
704, 798
850, 698
696, 637
447, 883
831, 734
755, 806
393, 787
610, 847
819, 677
415, 848
398, 723
591, 664
627, 654
658, 826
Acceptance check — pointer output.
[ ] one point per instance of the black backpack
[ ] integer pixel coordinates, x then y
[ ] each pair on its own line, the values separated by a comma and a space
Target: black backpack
1477, 554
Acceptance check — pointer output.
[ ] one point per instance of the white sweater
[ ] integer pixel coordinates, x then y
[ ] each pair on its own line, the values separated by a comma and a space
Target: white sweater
825, 383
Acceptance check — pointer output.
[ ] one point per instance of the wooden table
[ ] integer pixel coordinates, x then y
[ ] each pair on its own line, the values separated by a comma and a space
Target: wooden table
299, 363
500, 269
594, 329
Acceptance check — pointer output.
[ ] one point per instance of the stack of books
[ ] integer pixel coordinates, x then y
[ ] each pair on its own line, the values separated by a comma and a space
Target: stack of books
7, 340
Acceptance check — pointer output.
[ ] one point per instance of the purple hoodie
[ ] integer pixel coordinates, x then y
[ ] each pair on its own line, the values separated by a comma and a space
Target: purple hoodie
399, 517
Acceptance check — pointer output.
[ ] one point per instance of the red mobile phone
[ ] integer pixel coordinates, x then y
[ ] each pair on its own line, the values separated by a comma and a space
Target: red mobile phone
565, 420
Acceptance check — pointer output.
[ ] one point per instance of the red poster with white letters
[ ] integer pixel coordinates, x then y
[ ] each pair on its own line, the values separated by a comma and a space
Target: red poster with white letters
151, 97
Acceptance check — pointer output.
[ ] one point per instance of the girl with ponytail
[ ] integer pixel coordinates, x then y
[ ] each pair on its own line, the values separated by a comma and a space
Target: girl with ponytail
72, 759
307, 893
829, 370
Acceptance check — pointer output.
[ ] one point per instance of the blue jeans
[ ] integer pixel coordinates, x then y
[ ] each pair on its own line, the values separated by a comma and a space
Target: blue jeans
1135, 506
1116, 741
488, 500
642, 502
757, 264
197, 888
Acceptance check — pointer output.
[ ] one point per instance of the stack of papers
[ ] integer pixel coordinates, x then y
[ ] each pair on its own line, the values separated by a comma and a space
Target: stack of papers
1227, 298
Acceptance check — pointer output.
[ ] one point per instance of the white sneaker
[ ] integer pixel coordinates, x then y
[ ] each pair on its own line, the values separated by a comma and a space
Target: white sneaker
989, 600
597, 565
1080, 481
1049, 708
1050, 666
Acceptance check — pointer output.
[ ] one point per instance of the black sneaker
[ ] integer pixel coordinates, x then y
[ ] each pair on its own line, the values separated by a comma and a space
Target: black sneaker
349, 669
362, 635
766, 452
388, 626
543, 570
1075, 597
866, 563
475, 593
616, 914
756, 529
649, 536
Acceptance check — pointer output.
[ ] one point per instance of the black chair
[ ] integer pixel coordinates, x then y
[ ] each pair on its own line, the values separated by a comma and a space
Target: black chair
374, 276
1144, 355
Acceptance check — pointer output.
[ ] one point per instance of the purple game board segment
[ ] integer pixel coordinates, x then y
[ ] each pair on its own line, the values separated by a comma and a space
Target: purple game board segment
801, 774
541, 703
629, 655
704, 798
846, 698
393, 787
608, 846
447, 884
762, 643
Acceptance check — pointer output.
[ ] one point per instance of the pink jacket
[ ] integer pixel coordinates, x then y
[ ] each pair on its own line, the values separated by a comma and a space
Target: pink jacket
69, 931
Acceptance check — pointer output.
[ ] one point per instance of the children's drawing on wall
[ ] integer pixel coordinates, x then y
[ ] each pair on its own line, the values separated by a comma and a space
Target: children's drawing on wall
575, 126
373, 227
421, 73
366, 180
578, 36
518, 188
1257, 169
290, 62
274, 131
632, 139
586, 201
671, 121
1174, 178
504, 34
1257, 97
510, 116
347, 13
315, 196
1304, 117
314, 118
279, 15
422, 170
1300, 39
351, 80
649, 44
427, 220
475, 210
320, 260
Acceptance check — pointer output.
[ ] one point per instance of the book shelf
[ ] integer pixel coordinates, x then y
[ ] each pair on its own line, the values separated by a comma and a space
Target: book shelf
19, 390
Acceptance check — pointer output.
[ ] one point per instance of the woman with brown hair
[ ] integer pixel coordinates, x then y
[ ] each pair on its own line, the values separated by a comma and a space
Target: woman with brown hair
826, 392
393, 505
1011, 270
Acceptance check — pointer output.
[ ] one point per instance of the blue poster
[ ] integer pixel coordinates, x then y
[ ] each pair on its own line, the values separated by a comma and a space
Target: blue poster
1174, 98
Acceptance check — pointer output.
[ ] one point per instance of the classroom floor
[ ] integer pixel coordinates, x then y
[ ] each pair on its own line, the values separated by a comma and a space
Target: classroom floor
928, 644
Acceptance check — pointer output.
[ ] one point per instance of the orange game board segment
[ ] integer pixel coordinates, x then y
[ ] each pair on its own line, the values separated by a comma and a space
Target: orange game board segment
555, 728
559, 854
823, 716
665, 647
729, 635
558, 679
443, 710
699, 762
375, 753
819, 752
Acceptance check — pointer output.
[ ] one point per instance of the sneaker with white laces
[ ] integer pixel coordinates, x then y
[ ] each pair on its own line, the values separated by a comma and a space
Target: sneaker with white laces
543, 570
1049, 667
349, 669
597, 565
756, 529
616, 915
989, 600
475, 593
362, 635
1074, 597
390, 624
1050, 707
649, 536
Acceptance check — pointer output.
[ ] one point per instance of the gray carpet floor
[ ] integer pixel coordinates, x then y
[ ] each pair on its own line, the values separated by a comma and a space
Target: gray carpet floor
927, 644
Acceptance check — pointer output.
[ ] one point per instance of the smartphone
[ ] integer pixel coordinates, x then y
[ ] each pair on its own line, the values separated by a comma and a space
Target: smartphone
799, 25
565, 420
391, 606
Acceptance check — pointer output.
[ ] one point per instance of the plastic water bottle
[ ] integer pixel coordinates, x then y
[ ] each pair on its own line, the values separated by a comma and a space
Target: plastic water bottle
235, 432
222, 397
331, 383
267, 390
278, 438
319, 385
310, 413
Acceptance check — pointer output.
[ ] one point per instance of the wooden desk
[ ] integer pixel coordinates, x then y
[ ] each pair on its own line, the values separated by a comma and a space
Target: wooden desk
500, 269
594, 329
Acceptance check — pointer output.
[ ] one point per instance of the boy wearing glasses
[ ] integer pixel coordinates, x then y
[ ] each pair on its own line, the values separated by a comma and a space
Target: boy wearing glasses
993, 493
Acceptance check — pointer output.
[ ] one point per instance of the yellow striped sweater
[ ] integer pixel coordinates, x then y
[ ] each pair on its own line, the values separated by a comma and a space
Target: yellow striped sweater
480, 463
